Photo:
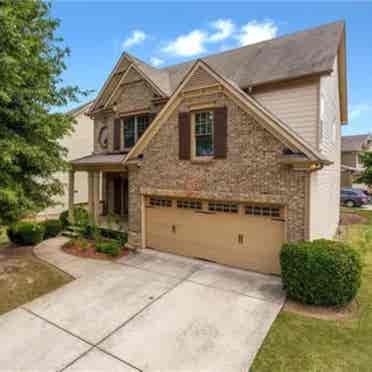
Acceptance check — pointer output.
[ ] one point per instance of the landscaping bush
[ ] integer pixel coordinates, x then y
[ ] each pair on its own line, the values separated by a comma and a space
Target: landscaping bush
26, 233
81, 217
115, 235
111, 247
52, 228
321, 272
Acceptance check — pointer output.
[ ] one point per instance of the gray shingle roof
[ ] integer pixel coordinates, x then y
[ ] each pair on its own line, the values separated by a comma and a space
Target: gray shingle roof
77, 110
304, 53
354, 143
100, 159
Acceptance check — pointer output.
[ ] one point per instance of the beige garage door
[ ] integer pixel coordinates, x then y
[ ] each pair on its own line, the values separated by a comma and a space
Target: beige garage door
241, 235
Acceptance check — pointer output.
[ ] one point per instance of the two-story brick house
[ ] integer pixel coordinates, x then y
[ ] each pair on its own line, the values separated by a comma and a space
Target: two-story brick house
226, 157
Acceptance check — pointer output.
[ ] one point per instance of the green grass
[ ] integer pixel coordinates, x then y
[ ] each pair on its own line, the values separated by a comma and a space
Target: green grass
24, 277
297, 343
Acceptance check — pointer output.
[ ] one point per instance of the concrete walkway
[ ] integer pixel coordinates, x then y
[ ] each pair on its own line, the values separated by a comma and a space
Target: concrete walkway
147, 312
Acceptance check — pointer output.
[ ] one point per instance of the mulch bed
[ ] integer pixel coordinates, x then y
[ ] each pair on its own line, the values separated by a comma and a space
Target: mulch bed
90, 252
349, 311
351, 218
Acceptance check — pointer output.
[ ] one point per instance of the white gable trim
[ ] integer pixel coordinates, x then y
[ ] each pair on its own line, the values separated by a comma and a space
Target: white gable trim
122, 57
118, 86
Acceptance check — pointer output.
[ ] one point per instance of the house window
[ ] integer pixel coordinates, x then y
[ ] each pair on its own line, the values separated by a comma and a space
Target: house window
203, 132
254, 210
223, 207
189, 204
134, 127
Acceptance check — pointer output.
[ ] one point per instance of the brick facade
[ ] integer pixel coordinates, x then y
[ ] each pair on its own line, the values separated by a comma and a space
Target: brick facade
135, 95
251, 172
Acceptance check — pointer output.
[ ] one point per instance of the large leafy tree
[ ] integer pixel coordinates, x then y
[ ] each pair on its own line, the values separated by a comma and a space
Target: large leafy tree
31, 63
366, 176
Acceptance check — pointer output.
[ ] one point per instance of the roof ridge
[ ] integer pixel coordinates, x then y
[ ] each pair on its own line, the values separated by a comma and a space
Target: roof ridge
357, 135
255, 44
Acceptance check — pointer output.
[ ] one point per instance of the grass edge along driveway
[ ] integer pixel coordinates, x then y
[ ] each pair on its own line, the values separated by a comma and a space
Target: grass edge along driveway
298, 343
24, 277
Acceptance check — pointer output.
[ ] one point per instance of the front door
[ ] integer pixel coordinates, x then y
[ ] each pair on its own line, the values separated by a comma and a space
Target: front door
120, 195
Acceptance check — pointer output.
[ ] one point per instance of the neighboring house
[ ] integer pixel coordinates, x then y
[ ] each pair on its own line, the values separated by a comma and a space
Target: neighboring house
79, 143
351, 165
225, 157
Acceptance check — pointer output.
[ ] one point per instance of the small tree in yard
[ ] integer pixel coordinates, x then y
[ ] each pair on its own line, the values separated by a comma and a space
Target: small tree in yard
366, 176
31, 62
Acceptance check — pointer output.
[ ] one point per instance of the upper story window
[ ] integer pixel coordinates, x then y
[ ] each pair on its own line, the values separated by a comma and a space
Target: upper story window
134, 127
203, 133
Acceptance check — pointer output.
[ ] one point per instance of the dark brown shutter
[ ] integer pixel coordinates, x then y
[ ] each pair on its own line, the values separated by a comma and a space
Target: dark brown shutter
184, 135
117, 134
220, 132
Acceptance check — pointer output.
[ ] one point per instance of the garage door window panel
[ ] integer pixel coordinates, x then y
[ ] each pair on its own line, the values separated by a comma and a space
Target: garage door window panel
160, 202
223, 207
266, 211
189, 204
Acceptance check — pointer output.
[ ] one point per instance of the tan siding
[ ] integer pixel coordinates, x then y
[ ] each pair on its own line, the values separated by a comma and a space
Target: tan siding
350, 159
325, 184
78, 144
296, 105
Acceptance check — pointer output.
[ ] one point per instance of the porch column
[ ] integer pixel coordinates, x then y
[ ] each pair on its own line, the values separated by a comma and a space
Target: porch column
90, 195
96, 196
71, 194
103, 193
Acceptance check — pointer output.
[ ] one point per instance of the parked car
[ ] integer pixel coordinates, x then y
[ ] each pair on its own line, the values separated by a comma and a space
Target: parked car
369, 196
353, 197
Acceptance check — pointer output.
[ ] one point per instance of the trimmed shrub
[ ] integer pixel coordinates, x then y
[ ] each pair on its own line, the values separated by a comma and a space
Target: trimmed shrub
52, 228
115, 235
320, 272
26, 233
111, 247
81, 217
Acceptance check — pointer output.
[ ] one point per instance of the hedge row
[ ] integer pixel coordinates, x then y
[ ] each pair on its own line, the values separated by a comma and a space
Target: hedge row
30, 233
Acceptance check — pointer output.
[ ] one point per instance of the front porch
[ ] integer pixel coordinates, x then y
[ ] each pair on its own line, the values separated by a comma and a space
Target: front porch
107, 190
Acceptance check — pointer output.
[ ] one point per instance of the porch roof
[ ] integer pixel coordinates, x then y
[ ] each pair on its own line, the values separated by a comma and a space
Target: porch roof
99, 161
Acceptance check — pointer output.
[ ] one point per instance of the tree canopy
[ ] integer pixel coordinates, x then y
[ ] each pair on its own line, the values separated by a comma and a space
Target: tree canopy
31, 88
366, 176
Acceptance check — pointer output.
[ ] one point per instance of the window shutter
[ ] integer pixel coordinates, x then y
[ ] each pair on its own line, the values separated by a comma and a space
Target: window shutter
220, 132
117, 134
184, 134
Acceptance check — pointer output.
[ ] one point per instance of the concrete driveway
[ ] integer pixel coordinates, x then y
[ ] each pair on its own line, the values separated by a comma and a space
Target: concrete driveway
147, 312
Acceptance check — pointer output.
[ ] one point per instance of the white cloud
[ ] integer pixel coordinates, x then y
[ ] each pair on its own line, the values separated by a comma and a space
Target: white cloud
187, 45
155, 61
137, 37
254, 32
225, 28
358, 110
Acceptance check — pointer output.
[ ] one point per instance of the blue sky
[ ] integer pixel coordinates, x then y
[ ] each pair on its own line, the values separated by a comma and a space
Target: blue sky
164, 33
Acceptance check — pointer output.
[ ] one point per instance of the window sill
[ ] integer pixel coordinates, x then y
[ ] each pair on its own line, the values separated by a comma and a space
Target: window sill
203, 160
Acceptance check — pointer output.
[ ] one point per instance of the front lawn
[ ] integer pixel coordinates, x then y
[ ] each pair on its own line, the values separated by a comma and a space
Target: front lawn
24, 277
297, 343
